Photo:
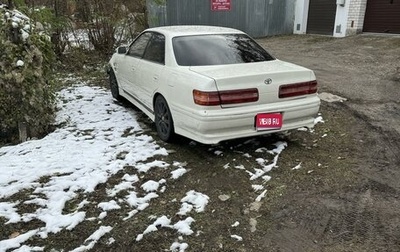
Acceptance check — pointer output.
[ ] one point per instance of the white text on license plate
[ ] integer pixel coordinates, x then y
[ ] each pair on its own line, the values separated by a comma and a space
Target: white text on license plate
269, 121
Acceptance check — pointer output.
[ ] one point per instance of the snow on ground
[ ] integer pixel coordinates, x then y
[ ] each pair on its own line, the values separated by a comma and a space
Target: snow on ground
83, 152
95, 139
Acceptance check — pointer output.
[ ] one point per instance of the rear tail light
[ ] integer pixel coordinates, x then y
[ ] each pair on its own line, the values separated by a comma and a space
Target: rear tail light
206, 98
298, 89
225, 97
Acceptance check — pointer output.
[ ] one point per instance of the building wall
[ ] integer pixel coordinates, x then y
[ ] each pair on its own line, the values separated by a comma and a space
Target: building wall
342, 13
301, 14
349, 17
356, 16
258, 18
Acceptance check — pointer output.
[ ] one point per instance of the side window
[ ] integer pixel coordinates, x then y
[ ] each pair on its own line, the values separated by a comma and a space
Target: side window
139, 45
155, 51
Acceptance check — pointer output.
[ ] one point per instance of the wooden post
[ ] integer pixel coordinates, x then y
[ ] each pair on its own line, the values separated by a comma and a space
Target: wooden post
23, 131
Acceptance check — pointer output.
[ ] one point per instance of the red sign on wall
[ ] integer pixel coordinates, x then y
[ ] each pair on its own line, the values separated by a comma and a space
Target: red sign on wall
220, 5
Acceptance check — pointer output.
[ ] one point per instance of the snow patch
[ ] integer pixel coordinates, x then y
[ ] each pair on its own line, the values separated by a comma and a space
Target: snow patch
237, 237
328, 97
80, 154
297, 167
20, 63
195, 200
107, 206
93, 239
178, 247
183, 226
178, 173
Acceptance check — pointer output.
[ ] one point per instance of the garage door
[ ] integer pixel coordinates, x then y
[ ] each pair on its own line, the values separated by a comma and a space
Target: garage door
382, 16
321, 17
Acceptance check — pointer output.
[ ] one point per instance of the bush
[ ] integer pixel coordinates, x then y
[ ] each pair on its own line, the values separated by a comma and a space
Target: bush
26, 86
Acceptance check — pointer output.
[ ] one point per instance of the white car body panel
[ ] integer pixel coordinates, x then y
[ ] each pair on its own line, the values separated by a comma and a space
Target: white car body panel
212, 124
241, 76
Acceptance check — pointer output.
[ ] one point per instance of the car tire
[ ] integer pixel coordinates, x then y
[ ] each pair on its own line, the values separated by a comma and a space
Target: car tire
114, 85
163, 119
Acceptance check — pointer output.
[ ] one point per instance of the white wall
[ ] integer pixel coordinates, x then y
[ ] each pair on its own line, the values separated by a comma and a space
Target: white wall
300, 18
342, 13
349, 17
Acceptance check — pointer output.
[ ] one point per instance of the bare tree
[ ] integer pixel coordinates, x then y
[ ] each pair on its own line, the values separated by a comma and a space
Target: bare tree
107, 22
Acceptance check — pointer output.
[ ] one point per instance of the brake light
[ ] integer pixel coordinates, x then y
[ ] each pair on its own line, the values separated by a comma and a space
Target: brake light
206, 98
298, 89
225, 97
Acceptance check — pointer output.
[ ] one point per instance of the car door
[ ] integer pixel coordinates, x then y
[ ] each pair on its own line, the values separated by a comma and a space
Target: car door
129, 67
152, 69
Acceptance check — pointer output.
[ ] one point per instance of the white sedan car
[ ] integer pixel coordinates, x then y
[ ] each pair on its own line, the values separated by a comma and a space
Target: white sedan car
212, 84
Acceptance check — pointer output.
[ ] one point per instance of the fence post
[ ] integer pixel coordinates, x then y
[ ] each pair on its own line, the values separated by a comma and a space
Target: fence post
23, 131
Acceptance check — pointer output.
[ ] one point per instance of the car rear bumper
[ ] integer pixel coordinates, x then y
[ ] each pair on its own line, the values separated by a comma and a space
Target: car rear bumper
213, 126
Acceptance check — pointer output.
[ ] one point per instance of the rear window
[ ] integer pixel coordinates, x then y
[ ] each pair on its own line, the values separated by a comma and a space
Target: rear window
204, 50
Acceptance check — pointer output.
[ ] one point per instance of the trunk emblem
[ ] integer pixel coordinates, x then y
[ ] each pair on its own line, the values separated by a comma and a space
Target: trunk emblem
268, 81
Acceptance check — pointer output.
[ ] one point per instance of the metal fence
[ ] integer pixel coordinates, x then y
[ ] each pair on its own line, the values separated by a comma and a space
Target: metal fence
259, 18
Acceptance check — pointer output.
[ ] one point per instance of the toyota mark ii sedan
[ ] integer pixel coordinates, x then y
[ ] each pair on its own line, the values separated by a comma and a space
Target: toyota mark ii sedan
212, 84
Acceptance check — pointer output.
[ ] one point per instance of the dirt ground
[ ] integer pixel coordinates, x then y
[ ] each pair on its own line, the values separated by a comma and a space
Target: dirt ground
363, 214
345, 197
366, 70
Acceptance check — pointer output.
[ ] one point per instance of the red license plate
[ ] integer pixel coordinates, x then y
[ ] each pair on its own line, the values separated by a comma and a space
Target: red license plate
269, 121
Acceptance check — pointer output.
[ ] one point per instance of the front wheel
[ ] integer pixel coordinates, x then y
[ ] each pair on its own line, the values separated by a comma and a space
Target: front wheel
114, 85
163, 119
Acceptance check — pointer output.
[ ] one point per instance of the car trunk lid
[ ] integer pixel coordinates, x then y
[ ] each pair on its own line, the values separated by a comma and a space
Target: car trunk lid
267, 77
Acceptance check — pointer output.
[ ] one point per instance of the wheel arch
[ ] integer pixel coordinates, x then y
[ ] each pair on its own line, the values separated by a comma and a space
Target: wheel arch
113, 82
156, 94
110, 69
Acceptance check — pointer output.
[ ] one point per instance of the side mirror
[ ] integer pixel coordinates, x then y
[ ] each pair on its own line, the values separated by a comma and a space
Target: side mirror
122, 50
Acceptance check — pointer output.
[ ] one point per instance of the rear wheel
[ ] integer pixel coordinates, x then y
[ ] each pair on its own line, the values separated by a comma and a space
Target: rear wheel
163, 119
114, 85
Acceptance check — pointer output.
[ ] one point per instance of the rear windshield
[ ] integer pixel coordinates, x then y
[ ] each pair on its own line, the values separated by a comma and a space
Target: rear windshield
204, 50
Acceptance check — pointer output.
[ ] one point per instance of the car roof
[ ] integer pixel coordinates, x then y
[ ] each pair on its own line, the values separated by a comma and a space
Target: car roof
187, 30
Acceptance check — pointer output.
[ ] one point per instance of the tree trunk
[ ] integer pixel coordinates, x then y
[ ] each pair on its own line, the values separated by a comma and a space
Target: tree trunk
10, 4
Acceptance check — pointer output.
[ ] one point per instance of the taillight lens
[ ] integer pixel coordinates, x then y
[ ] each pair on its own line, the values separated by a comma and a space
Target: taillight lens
206, 98
239, 96
297, 89
225, 97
